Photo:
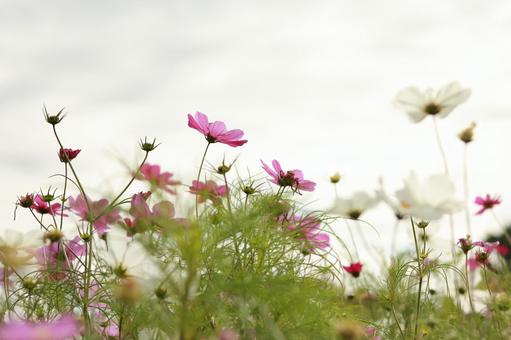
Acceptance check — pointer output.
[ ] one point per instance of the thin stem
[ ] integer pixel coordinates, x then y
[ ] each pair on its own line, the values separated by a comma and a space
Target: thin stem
420, 280
227, 194
127, 185
465, 189
198, 179
468, 284
63, 200
397, 322
440, 147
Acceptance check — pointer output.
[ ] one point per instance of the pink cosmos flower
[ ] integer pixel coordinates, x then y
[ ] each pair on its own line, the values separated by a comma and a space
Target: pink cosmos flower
308, 230
66, 155
66, 327
79, 207
209, 190
465, 244
354, 269
482, 255
57, 256
43, 207
158, 179
290, 178
487, 202
216, 131
145, 217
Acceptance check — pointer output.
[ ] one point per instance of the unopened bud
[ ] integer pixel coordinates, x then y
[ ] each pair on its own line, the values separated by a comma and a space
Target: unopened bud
335, 178
467, 135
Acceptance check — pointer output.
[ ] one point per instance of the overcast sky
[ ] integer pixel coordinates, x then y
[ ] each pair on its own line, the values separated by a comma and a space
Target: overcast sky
310, 82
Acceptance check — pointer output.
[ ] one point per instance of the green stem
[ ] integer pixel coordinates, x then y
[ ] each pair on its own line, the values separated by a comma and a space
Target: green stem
420, 280
465, 189
468, 284
198, 179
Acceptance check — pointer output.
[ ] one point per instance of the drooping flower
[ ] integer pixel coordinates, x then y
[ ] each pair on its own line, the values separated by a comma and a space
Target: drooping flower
66, 155
354, 269
290, 178
209, 190
487, 202
157, 178
43, 207
215, 132
100, 217
66, 327
354, 206
428, 199
308, 230
419, 104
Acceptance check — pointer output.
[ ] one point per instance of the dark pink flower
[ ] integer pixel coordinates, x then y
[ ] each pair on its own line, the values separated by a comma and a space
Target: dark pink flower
216, 131
66, 327
308, 230
465, 244
482, 255
101, 223
209, 190
290, 178
158, 179
487, 202
354, 269
66, 155
43, 207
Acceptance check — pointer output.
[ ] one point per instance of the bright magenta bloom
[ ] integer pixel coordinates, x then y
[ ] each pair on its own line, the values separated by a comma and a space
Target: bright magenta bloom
307, 230
79, 207
216, 131
354, 269
209, 190
66, 327
66, 155
290, 178
487, 202
158, 179
43, 207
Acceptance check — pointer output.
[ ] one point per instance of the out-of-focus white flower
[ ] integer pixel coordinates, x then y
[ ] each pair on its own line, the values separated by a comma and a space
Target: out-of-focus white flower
392, 202
428, 199
418, 104
354, 206
17, 248
128, 258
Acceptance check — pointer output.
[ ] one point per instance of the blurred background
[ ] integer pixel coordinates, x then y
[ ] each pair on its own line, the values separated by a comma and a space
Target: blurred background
310, 82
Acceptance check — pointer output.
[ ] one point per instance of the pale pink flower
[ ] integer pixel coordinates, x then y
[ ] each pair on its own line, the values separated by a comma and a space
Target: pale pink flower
209, 190
215, 131
57, 256
145, 217
66, 327
307, 230
157, 178
290, 178
100, 223
487, 202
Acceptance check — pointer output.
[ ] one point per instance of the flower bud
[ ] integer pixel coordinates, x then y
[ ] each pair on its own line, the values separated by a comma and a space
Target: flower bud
53, 119
161, 293
335, 178
66, 155
422, 224
147, 146
53, 235
25, 201
467, 135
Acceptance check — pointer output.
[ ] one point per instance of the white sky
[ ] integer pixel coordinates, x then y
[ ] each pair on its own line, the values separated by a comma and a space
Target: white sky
310, 82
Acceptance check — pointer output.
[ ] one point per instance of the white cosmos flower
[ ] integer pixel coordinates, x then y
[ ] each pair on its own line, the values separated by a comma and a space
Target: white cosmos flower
353, 206
16, 248
428, 199
418, 104
128, 258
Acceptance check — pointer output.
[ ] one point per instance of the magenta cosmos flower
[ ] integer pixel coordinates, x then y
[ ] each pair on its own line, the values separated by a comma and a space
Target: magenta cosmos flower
79, 207
157, 178
66, 327
209, 190
215, 132
43, 207
487, 202
66, 155
290, 178
354, 269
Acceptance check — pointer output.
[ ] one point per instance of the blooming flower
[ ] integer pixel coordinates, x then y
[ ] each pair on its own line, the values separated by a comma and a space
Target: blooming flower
57, 256
43, 207
290, 178
99, 217
487, 202
158, 179
482, 254
16, 247
209, 190
354, 269
215, 131
353, 206
465, 244
145, 217
66, 327
428, 199
66, 155
307, 230
419, 104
